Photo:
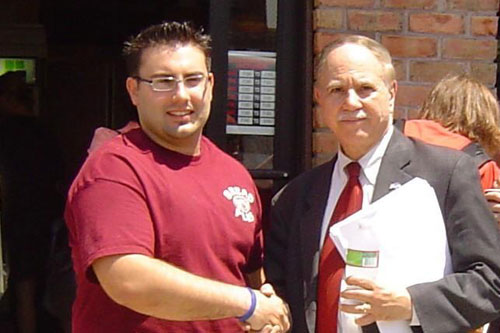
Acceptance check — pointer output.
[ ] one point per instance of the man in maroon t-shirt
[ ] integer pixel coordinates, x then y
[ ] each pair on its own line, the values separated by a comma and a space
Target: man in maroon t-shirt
165, 228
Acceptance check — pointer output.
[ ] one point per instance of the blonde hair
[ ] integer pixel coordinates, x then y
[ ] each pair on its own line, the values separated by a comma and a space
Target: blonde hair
464, 105
377, 49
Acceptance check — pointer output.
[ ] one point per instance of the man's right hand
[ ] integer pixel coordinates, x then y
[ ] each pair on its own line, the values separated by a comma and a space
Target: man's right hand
270, 310
493, 197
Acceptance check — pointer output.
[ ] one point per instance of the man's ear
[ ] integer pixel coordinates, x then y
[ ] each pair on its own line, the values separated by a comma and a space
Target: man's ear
209, 87
132, 85
316, 94
211, 80
393, 89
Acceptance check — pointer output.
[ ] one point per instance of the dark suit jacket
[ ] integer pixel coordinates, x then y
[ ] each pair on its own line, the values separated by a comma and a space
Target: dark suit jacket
460, 301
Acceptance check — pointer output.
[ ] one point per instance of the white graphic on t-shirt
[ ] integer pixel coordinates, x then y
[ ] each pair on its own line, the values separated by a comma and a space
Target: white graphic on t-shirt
241, 199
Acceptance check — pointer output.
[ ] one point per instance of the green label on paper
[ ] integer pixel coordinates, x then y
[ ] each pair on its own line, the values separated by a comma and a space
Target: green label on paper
367, 259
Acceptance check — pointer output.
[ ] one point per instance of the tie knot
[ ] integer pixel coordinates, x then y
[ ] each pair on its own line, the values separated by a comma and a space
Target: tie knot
353, 169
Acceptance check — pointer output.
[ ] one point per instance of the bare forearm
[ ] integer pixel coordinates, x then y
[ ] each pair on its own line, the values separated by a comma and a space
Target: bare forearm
158, 289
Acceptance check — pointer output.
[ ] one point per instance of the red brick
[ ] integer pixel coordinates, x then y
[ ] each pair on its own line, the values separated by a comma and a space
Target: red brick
399, 113
410, 46
321, 39
400, 68
328, 18
319, 159
324, 142
433, 71
485, 72
414, 4
437, 23
413, 113
411, 96
374, 20
473, 5
484, 25
473, 49
346, 3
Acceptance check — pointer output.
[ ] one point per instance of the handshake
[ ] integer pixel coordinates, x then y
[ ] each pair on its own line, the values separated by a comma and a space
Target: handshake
270, 315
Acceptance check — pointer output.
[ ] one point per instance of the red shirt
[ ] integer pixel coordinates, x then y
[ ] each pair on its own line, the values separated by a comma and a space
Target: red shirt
432, 132
199, 213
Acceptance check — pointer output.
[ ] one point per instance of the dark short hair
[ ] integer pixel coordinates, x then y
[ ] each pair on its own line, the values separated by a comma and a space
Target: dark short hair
171, 34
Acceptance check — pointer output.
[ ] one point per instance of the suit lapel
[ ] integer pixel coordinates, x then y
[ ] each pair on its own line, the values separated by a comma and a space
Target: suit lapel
396, 159
310, 221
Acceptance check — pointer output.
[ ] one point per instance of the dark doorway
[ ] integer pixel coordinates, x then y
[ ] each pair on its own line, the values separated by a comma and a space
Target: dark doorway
85, 76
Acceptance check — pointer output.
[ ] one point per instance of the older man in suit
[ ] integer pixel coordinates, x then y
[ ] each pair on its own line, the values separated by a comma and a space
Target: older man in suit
355, 91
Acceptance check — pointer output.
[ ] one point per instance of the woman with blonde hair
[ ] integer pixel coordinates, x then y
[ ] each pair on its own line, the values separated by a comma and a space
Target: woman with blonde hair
462, 113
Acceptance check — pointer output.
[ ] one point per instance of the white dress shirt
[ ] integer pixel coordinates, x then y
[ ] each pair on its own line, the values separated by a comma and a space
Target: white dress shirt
370, 165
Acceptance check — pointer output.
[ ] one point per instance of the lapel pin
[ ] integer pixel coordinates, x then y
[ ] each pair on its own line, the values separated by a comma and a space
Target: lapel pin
394, 186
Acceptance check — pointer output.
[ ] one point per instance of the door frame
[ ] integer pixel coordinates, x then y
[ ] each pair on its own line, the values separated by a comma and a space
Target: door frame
294, 67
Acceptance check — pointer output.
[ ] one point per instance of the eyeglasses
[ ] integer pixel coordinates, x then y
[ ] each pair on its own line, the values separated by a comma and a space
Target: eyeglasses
169, 83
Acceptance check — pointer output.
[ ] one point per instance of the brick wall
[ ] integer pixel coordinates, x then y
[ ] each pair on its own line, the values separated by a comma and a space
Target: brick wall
427, 39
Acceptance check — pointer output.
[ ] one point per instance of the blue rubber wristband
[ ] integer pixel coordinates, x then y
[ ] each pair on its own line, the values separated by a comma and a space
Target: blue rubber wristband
251, 310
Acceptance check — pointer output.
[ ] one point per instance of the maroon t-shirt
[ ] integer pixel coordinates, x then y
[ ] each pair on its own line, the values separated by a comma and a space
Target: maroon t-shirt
199, 213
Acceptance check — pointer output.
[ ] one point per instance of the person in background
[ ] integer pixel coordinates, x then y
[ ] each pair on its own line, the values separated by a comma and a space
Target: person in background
165, 228
355, 91
31, 200
104, 134
461, 113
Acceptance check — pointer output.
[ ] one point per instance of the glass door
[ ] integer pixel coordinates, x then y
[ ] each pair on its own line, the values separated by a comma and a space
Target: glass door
262, 61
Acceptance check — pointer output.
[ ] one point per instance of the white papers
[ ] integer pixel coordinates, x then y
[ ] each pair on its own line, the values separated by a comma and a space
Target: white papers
412, 238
